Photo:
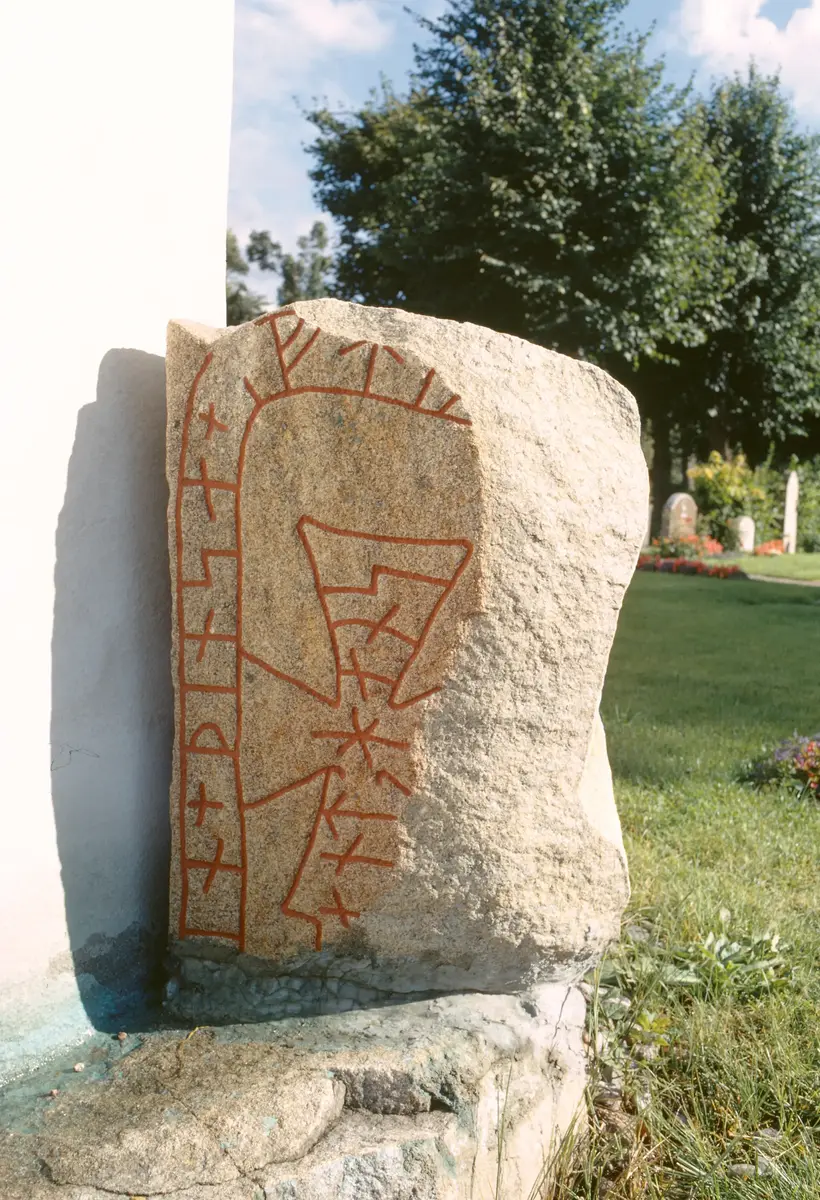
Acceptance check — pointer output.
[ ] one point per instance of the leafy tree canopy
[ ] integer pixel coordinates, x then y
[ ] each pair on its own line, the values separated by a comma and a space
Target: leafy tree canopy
757, 378
540, 178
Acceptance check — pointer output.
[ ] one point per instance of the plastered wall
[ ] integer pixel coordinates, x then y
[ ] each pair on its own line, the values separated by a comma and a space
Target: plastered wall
116, 121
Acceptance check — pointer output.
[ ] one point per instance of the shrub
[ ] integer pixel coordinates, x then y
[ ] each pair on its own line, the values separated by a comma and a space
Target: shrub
726, 488
723, 489
795, 761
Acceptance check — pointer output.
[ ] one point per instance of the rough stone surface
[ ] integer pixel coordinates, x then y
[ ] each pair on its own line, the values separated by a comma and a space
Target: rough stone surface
404, 1102
399, 546
679, 516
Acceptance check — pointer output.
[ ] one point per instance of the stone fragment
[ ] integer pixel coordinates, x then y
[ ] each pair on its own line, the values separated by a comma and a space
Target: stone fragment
399, 546
679, 516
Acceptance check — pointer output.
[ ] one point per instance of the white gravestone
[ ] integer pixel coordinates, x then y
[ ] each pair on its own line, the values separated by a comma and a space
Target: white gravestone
790, 518
679, 516
744, 528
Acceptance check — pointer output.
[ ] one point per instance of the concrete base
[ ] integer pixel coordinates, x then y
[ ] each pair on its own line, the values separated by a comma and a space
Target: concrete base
432, 1100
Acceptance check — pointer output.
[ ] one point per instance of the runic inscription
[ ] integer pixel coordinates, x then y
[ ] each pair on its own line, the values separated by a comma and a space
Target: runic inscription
345, 710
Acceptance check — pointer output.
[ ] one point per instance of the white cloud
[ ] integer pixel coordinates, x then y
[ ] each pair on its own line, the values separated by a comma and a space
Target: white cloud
728, 33
288, 53
277, 41
284, 55
343, 24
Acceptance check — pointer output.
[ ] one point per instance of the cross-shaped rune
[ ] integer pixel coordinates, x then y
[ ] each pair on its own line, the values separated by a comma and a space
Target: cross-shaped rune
335, 810
350, 856
208, 636
216, 865
202, 804
344, 914
209, 485
213, 424
358, 737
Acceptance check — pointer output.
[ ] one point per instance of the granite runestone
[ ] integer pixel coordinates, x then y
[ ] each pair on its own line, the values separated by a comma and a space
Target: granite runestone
399, 546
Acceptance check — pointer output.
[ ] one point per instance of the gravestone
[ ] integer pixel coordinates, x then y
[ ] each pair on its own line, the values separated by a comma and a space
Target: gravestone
398, 547
744, 528
790, 517
679, 516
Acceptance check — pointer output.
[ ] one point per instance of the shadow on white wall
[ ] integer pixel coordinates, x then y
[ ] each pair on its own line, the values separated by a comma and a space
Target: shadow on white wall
112, 703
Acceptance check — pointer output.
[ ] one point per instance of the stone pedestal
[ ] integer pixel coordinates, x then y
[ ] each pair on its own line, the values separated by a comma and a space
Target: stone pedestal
433, 1100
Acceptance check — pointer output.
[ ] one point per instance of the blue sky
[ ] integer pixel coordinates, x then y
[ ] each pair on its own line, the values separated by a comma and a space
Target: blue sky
290, 52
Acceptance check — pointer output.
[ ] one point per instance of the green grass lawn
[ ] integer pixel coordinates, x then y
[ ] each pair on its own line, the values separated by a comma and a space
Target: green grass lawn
703, 673
785, 566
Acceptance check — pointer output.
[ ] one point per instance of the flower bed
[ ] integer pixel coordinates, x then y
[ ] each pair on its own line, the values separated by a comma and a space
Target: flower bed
795, 761
690, 545
688, 566
768, 549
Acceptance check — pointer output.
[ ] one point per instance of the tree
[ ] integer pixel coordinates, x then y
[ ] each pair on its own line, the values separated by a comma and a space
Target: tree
305, 275
756, 381
539, 179
242, 304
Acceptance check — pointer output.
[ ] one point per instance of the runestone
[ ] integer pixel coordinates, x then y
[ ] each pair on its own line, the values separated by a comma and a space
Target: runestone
398, 549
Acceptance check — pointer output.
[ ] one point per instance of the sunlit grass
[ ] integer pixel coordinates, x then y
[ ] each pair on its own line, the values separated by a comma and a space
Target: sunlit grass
703, 674
784, 566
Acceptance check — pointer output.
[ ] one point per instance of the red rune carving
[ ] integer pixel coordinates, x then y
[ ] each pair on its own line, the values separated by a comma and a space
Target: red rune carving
285, 366
376, 627
386, 777
212, 867
308, 346
358, 737
350, 856
300, 324
371, 363
362, 676
383, 626
209, 485
207, 555
291, 787
213, 424
454, 399
194, 746
425, 388
344, 914
376, 574
287, 910
252, 392
211, 933
335, 810
289, 356
207, 636
202, 804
